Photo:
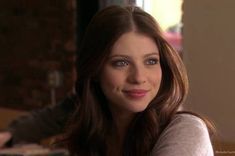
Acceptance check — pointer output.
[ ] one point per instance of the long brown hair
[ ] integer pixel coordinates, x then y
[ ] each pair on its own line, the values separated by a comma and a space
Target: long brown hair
92, 120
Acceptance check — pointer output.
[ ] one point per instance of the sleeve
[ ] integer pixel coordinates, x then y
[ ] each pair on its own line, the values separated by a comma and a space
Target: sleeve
186, 135
42, 123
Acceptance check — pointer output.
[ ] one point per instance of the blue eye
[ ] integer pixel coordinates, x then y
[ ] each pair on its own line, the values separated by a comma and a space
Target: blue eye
120, 63
152, 61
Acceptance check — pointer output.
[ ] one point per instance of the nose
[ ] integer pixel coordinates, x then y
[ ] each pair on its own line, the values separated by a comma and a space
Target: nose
137, 75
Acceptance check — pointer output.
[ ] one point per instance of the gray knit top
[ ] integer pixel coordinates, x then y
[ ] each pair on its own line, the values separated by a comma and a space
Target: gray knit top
186, 135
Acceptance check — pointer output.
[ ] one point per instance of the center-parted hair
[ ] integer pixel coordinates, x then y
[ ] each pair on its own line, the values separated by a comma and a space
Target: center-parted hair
92, 121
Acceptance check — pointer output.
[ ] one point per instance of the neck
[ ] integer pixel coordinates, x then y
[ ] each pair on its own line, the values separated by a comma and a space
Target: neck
121, 125
121, 122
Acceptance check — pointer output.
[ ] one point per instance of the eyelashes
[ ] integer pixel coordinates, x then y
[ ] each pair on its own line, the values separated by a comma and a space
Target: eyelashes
152, 61
124, 62
120, 63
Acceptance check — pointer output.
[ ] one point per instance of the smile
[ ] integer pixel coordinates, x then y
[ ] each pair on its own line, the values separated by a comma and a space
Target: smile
135, 93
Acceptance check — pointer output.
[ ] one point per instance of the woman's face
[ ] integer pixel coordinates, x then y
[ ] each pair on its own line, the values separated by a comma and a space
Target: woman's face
131, 77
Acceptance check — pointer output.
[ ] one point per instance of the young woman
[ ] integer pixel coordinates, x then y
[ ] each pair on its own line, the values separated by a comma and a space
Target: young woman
130, 85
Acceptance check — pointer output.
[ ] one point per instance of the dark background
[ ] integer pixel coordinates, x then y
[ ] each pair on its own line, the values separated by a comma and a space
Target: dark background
38, 37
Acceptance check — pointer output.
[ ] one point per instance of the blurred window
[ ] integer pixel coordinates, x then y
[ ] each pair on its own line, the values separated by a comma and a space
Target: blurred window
168, 14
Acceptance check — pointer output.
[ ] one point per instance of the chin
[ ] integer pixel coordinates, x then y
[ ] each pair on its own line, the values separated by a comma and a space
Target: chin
137, 109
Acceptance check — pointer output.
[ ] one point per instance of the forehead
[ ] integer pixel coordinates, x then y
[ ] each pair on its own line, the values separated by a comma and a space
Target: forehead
133, 42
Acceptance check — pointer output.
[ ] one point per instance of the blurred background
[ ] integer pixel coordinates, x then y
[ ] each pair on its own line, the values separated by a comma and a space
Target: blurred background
38, 42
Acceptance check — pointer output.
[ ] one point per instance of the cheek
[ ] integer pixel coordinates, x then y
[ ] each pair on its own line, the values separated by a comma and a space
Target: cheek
110, 81
156, 79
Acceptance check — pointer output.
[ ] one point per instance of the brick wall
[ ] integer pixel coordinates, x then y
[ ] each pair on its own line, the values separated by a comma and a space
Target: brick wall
36, 38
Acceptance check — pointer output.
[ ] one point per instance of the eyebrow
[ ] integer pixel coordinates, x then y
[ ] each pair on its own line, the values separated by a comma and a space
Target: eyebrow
154, 53
126, 56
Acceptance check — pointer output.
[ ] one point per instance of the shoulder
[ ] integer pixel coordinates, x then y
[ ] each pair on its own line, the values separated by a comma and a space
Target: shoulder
185, 135
188, 120
187, 126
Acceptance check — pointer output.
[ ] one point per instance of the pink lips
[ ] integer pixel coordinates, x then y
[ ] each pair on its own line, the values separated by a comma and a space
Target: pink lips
136, 93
